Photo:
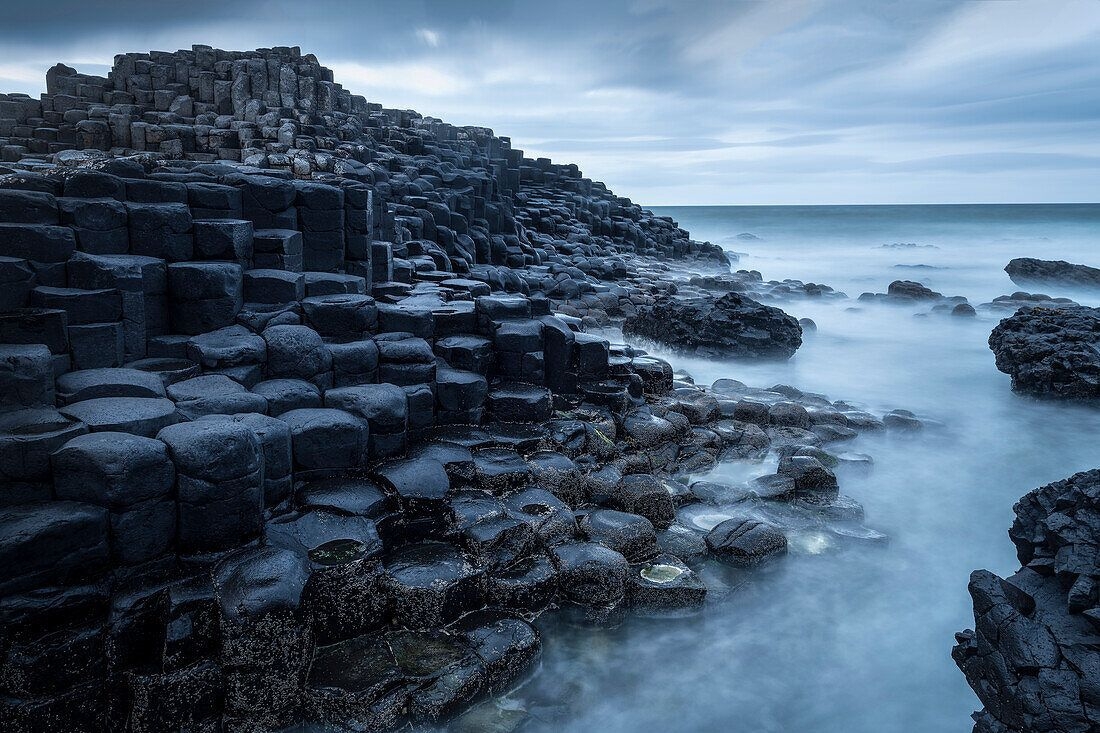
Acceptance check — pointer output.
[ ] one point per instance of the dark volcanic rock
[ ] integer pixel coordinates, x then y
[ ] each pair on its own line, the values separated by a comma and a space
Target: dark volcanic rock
1033, 657
1030, 271
1020, 299
745, 542
911, 290
909, 293
297, 402
732, 325
1051, 352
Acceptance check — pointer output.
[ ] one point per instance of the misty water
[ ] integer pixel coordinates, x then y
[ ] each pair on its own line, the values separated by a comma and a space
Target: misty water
853, 636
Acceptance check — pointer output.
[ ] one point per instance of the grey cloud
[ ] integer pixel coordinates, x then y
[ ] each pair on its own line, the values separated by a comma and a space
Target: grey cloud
666, 96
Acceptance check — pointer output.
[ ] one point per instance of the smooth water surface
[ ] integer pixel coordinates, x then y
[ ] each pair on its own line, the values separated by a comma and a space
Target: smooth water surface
855, 639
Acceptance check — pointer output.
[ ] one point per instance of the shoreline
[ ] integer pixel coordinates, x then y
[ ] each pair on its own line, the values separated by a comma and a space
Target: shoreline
331, 395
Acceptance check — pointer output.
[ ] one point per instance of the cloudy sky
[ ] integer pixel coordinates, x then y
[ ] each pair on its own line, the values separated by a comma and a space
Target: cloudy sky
682, 102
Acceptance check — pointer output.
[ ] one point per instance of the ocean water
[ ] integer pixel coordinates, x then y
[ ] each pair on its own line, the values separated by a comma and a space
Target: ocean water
854, 638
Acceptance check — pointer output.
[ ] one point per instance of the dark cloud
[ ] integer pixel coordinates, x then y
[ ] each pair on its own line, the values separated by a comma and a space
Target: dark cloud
707, 101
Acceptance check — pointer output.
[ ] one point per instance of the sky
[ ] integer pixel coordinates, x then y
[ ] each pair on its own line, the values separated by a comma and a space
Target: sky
676, 102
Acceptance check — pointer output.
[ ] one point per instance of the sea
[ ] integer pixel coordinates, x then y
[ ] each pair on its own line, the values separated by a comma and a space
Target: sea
852, 638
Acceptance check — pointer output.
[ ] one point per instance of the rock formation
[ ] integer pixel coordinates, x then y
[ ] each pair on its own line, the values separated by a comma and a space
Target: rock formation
299, 417
1051, 352
1020, 299
908, 292
1033, 657
1029, 271
733, 325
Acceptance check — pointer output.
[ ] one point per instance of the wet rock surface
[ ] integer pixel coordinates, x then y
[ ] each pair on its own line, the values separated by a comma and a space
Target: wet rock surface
1033, 657
730, 326
1051, 352
305, 415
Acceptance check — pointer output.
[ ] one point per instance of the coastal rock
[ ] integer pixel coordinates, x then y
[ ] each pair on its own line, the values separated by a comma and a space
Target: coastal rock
1026, 271
590, 574
666, 584
299, 403
908, 292
745, 542
730, 326
1051, 352
1020, 299
1032, 656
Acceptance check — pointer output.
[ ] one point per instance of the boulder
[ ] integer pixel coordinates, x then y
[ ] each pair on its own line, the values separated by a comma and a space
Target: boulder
214, 394
590, 574
745, 542
1026, 271
219, 483
528, 586
628, 534
665, 584
265, 646
228, 347
1051, 352
275, 443
644, 495
343, 553
559, 476
909, 290
431, 584
731, 326
284, 395
296, 352
324, 438
133, 478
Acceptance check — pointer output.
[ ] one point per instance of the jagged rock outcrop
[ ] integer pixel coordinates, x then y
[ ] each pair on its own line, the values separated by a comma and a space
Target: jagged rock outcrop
1030, 271
1051, 352
731, 326
1033, 657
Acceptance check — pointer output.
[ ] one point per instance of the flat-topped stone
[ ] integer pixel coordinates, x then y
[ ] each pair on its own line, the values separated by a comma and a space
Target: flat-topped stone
138, 415
87, 384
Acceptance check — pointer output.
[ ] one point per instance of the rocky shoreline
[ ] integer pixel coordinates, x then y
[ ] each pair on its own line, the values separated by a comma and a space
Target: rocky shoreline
308, 411
301, 421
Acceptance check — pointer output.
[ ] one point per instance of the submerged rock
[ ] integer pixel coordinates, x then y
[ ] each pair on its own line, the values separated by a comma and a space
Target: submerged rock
1020, 299
908, 292
730, 326
1051, 352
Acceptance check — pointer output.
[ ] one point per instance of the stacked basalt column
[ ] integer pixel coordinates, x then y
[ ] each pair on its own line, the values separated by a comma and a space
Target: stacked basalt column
259, 422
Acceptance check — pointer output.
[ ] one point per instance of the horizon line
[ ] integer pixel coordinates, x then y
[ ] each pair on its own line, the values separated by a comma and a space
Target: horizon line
944, 203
